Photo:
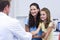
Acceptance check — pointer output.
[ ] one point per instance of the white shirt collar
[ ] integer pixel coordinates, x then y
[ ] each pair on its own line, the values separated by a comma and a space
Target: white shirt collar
2, 13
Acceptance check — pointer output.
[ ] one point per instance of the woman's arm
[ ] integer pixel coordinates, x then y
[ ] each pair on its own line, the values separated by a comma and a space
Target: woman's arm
42, 36
33, 32
49, 29
38, 29
48, 32
36, 36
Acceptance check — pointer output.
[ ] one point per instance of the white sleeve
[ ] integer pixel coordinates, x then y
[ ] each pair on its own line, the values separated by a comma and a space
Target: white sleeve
19, 32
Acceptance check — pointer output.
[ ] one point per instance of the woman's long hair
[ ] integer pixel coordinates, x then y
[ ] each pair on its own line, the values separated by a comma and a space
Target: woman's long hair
48, 17
32, 22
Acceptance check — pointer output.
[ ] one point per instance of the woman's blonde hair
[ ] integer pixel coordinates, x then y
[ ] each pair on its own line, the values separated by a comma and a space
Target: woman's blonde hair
47, 11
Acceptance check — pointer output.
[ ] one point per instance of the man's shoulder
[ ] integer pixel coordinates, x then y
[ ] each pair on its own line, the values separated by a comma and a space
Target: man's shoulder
12, 19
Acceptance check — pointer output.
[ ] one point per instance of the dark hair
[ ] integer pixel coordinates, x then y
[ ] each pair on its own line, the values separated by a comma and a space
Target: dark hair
32, 22
3, 4
47, 11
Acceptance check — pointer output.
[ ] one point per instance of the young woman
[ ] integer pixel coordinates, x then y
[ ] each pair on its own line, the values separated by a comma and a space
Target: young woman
32, 22
46, 24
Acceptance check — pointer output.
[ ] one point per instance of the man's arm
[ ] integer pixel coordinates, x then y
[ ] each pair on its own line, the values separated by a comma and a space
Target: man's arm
19, 32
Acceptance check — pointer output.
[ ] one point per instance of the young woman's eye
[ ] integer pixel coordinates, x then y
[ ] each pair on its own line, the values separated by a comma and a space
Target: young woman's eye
43, 14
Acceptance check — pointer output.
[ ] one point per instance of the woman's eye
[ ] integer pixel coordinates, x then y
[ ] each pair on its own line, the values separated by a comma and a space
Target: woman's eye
33, 9
30, 9
43, 14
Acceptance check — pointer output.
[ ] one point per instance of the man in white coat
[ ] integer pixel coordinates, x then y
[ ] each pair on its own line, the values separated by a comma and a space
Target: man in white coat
10, 28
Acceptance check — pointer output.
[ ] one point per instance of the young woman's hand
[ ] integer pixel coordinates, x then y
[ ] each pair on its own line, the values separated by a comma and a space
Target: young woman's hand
36, 36
43, 35
35, 32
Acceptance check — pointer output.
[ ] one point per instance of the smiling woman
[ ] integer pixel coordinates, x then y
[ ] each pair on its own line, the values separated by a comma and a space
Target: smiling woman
21, 7
46, 24
31, 24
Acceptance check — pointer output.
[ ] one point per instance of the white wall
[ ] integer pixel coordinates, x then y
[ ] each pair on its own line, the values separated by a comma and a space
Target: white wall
21, 7
13, 8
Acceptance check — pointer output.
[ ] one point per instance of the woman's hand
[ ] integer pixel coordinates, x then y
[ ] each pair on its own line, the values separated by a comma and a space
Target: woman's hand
33, 33
43, 35
36, 36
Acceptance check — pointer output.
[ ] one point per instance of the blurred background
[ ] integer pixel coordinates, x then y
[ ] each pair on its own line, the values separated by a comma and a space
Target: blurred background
20, 8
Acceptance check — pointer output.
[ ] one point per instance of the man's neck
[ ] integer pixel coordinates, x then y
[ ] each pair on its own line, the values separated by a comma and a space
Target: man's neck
5, 12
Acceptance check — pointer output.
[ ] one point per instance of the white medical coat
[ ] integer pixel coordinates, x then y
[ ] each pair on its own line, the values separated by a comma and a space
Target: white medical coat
10, 29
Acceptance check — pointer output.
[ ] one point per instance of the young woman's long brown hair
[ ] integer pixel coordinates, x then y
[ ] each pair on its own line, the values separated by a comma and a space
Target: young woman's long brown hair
48, 16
